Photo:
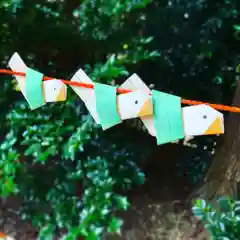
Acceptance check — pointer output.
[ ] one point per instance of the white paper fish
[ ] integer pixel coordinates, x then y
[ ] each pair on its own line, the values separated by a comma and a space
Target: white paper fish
197, 120
54, 90
129, 105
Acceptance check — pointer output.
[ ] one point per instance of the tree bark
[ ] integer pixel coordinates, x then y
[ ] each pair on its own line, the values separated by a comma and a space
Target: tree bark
223, 176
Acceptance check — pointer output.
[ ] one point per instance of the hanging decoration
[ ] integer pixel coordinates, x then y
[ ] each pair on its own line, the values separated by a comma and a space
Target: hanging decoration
161, 113
35, 91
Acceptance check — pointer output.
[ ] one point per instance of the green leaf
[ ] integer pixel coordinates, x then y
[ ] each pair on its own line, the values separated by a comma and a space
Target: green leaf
33, 149
92, 236
112, 59
222, 227
124, 72
122, 202
198, 212
201, 203
42, 157
154, 54
236, 27
69, 236
8, 187
9, 168
219, 80
115, 225
46, 232
225, 204
146, 40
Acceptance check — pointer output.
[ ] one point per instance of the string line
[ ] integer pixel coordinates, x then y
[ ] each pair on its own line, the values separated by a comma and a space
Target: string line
219, 107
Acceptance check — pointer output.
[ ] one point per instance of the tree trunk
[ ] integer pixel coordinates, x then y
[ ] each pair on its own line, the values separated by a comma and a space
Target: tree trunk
223, 176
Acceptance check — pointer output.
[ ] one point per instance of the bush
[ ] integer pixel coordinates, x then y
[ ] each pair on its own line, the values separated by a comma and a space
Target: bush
68, 172
223, 222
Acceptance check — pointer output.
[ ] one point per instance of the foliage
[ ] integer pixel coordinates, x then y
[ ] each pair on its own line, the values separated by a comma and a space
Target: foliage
196, 158
199, 45
222, 223
69, 173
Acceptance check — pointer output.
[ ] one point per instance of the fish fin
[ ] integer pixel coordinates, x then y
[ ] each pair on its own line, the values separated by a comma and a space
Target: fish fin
135, 83
17, 65
86, 94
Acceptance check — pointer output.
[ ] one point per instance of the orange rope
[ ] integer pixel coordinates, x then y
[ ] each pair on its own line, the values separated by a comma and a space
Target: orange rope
122, 90
2, 235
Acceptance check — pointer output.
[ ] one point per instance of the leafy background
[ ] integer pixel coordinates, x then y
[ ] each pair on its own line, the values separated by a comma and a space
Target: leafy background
222, 220
72, 177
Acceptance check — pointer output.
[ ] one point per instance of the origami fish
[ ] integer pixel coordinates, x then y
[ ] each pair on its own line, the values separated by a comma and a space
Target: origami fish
197, 120
129, 105
53, 90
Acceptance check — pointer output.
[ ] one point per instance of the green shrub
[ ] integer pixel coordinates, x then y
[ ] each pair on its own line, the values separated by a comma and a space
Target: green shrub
68, 172
222, 222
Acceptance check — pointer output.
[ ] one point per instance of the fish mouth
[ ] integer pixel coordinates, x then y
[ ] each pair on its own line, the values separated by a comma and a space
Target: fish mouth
146, 109
216, 127
62, 95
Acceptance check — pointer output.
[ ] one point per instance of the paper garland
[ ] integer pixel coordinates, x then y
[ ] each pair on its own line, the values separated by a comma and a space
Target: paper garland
33, 85
34, 93
160, 112
167, 117
106, 105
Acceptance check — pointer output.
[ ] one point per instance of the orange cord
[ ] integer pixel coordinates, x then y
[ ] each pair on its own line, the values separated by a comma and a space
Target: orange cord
122, 90
2, 235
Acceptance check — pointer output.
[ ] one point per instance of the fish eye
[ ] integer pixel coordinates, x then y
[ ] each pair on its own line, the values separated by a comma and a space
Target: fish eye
54, 88
204, 116
136, 102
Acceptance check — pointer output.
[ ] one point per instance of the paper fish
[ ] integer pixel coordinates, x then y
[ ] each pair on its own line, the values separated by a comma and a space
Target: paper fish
36, 91
196, 120
202, 120
129, 105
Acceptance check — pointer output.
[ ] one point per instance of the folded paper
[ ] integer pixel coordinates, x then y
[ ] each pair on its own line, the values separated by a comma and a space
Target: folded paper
106, 105
53, 90
197, 120
167, 116
129, 105
86, 94
34, 93
161, 113
202, 120
134, 104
